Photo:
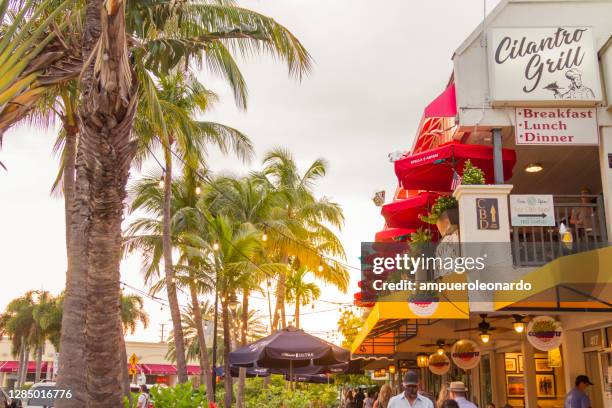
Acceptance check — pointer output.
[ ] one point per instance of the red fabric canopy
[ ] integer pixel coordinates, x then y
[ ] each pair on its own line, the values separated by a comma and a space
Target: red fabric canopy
444, 106
158, 369
13, 366
405, 213
390, 234
193, 370
432, 169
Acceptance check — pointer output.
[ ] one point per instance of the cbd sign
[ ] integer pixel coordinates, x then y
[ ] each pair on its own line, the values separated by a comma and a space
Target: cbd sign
487, 213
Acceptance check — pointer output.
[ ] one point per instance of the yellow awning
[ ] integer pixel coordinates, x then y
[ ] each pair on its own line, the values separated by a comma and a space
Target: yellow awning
373, 339
585, 280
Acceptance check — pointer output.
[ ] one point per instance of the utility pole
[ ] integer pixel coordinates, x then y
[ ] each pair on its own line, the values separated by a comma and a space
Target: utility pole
163, 325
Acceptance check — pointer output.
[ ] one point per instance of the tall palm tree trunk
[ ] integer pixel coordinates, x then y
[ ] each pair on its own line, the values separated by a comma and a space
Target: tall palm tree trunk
106, 115
227, 347
39, 354
68, 180
124, 374
205, 377
175, 312
243, 342
26, 363
72, 364
20, 367
279, 310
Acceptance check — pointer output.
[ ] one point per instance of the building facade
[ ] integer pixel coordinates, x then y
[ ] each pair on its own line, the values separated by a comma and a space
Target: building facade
529, 102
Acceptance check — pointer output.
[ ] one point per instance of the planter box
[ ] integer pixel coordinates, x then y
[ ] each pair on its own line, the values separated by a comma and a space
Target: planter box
447, 219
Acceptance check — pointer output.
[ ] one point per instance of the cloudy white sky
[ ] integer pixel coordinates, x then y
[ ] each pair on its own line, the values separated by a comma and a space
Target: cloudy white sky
377, 64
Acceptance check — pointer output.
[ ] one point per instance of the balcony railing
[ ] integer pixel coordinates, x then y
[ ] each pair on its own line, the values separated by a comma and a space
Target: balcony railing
582, 215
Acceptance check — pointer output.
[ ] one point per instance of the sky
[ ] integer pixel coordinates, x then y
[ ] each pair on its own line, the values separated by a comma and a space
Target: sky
376, 66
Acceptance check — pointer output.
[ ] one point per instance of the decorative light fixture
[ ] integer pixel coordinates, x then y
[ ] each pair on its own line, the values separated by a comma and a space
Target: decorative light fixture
162, 183
264, 236
233, 303
198, 190
383, 371
440, 351
534, 168
320, 268
422, 360
391, 369
519, 324
485, 337
216, 246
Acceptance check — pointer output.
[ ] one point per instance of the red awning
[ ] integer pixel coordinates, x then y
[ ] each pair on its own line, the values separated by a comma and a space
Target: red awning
158, 369
432, 169
393, 234
444, 106
405, 213
13, 366
193, 370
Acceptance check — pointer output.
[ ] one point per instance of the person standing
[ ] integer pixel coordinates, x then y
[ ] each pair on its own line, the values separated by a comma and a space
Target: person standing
443, 395
458, 392
368, 402
384, 395
359, 398
143, 398
410, 398
577, 397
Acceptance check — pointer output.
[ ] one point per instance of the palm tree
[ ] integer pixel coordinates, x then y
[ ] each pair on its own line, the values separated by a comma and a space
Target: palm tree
132, 313
47, 317
234, 249
107, 107
300, 292
17, 322
305, 235
181, 97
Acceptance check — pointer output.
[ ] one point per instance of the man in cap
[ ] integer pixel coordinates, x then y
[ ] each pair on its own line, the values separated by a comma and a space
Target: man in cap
577, 397
410, 398
458, 392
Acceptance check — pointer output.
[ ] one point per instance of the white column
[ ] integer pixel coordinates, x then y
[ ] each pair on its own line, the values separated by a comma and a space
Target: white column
491, 244
531, 399
605, 149
573, 358
498, 395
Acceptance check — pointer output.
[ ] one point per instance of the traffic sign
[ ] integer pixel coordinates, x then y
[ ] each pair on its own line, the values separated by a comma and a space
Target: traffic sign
133, 360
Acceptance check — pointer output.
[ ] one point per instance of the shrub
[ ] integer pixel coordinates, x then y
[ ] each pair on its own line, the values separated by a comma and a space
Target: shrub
442, 204
472, 174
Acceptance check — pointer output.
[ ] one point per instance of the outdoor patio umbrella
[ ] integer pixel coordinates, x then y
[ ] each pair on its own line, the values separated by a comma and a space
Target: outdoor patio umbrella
289, 348
311, 378
432, 170
250, 373
405, 213
393, 234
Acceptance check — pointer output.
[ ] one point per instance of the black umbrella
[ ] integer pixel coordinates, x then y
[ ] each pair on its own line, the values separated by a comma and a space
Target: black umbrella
289, 348
250, 373
311, 378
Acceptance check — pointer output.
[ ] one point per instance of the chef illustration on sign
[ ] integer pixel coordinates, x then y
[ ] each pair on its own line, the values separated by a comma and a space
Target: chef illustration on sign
576, 89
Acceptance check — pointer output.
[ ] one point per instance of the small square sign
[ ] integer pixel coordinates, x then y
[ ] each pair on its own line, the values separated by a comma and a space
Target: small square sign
487, 213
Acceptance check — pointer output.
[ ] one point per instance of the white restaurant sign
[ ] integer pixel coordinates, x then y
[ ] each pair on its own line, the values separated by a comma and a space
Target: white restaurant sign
556, 126
532, 210
543, 64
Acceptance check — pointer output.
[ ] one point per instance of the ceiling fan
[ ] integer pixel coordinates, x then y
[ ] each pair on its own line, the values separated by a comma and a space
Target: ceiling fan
485, 327
440, 344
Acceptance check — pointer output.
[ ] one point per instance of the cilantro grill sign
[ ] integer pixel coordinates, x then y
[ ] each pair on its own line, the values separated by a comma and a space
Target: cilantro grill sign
544, 333
546, 64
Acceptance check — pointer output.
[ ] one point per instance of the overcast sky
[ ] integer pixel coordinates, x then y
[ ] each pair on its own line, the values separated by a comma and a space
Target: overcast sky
377, 64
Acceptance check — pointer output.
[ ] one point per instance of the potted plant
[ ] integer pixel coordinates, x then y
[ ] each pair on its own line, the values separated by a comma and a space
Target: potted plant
444, 213
472, 175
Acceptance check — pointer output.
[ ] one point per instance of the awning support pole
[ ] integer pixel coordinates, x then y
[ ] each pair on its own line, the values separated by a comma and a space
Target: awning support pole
498, 164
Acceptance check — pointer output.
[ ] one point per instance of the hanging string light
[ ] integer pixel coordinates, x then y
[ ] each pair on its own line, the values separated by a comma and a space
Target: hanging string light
216, 246
161, 183
320, 268
198, 190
